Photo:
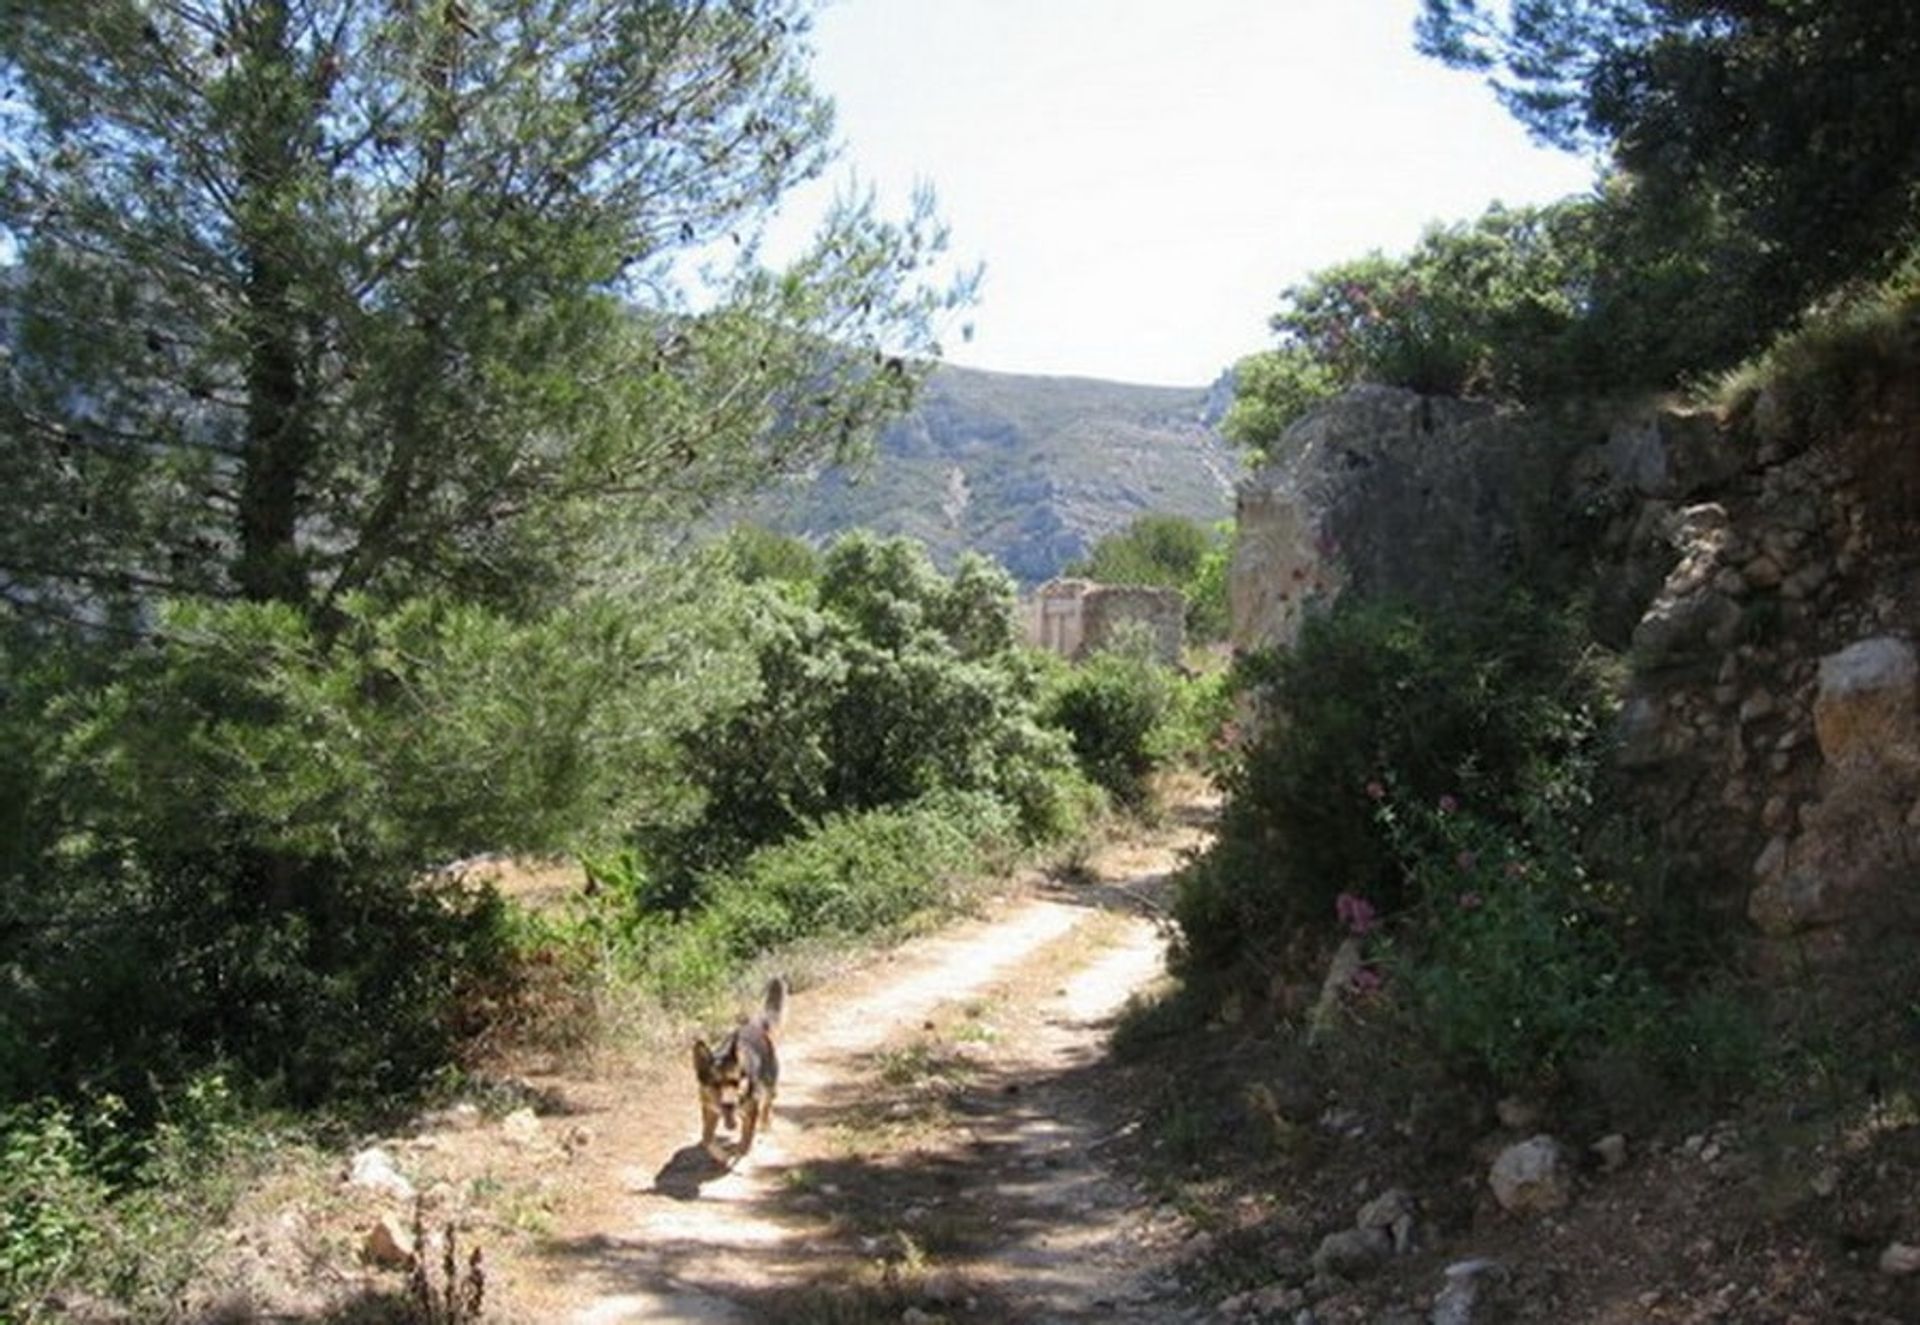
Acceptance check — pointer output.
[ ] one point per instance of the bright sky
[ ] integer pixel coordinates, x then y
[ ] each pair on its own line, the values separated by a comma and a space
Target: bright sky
1142, 178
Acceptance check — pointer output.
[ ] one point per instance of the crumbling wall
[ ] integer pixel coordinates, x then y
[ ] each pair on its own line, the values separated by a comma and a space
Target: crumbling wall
1763, 601
1074, 617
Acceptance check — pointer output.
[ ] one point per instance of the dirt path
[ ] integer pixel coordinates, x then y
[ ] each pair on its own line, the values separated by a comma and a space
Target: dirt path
938, 1146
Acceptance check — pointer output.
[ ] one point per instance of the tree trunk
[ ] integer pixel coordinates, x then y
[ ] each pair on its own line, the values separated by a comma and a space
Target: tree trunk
279, 431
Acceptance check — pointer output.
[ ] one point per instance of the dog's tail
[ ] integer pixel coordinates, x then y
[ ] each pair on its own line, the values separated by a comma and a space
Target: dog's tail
774, 1007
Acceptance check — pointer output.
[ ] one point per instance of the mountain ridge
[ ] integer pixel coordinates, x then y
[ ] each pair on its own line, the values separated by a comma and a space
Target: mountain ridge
1028, 469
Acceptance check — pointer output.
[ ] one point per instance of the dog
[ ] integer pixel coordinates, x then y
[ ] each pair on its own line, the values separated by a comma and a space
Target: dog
739, 1079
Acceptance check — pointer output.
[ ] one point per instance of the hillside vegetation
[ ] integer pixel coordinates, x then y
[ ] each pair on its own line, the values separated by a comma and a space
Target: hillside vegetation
1030, 471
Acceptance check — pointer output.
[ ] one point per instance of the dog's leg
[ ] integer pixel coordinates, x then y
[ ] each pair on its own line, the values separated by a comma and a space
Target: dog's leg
709, 1111
750, 1123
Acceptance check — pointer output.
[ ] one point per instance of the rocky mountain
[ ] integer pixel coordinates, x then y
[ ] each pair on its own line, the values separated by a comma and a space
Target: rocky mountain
1029, 470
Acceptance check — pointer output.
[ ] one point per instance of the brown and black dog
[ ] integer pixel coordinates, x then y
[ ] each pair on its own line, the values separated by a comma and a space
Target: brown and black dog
738, 1080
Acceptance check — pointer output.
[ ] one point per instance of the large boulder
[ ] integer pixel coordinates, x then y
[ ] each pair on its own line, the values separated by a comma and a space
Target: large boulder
1856, 839
1864, 713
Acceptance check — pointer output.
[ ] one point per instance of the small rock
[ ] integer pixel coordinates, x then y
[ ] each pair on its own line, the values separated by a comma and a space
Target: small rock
1384, 1210
1516, 1114
915, 1316
373, 1170
1612, 1150
1763, 572
1900, 1259
1275, 1298
1466, 1280
1825, 1182
1352, 1253
387, 1244
521, 1127
1710, 1152
1531, 1177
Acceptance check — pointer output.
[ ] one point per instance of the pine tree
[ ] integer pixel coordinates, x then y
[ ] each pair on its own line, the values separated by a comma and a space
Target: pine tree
320, 296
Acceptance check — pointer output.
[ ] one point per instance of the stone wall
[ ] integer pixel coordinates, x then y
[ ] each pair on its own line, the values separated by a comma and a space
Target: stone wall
1760, 592
1074, 618
1388, 492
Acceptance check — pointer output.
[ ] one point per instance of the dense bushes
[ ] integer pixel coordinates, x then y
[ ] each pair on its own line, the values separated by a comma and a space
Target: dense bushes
86, 1202
1474, 702
882, 683
1431, 784
1115, 707
225, 835
851, 875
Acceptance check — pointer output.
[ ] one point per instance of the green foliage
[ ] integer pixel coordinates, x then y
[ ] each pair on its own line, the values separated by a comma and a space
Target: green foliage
1798, 119
1586, 296
852, 875
1514, 960
898, 684
855, 873
89, 1205
1432, 783
1114, 706
1840, 364
755, 553
48, 1198
230, 832
318, 298
1168, 552
1272, 389
1480, 702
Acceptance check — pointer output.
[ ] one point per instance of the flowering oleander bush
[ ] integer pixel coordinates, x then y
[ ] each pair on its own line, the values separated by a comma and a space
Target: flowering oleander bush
1511, 955
1486, 702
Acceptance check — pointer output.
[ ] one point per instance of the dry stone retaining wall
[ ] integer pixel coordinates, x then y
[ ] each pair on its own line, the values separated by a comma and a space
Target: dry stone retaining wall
1766, 614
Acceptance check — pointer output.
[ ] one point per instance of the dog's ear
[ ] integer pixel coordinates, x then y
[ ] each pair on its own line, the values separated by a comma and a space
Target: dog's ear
702, 1060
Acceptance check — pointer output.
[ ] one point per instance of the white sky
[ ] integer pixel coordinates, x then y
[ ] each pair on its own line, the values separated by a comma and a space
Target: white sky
1142, 178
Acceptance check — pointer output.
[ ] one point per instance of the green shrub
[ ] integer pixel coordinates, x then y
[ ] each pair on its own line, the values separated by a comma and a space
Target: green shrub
1113, 707
51, 1203
899, 684
854, 874
1169, 552
1479, 702
1591, 296
88, 1204
1826, 374
234, 833
1512, 957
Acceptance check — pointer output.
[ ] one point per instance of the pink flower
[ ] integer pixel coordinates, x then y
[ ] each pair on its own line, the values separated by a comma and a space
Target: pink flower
1376, 792
1469, 901
1448, 803
1466, 860
1516, 869
1366, 980
1356, 913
